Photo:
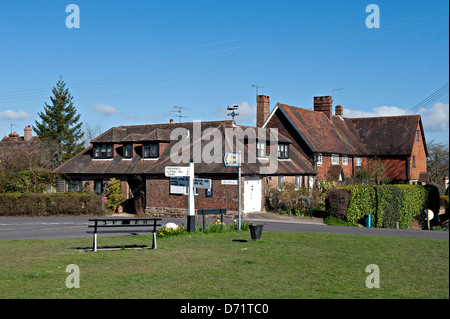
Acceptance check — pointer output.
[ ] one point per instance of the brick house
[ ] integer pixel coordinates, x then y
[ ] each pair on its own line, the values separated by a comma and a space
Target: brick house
138, 155
337, 146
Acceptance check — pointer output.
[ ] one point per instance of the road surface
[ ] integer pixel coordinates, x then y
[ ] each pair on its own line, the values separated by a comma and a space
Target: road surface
75, 227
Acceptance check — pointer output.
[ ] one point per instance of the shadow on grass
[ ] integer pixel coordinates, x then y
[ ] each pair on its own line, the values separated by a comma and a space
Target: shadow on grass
113, 248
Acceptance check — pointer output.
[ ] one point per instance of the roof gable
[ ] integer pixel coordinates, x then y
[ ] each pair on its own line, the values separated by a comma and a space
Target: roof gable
389, 135
322, 134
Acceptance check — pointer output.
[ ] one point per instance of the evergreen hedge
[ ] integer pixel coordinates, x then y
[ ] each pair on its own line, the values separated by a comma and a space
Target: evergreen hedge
388, 204
42, 204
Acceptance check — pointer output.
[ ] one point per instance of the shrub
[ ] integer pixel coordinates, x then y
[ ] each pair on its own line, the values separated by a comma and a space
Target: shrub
337, 202
289, 201
41, 204
115, 194
388, 204
362, 202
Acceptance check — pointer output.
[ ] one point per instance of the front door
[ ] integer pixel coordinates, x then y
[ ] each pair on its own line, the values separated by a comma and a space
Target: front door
252, 194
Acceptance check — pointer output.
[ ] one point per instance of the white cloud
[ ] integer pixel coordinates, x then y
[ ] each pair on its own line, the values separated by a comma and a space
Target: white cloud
247, 114
17, 116
106, 110
436, 117
376, 111
433, 118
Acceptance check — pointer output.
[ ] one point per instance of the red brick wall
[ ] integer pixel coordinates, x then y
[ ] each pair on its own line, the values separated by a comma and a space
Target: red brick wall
224, 196
421, 158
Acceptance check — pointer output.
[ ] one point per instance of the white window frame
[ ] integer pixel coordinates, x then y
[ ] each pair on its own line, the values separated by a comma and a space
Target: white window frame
298, 181
186, 191
333, 159
281, 184
261, 149
310, 181
345, 160
358, 162
319, 159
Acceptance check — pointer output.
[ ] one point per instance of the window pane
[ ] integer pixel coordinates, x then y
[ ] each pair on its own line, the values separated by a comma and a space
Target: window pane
97, 151
127, 150
109, 151
153, 150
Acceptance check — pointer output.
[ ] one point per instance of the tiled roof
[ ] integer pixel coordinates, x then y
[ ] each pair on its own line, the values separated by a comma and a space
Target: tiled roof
372, 136
390, 135
84, 163
322, 134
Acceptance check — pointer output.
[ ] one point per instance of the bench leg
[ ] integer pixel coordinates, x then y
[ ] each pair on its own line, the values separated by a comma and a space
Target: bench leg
95, 242
154, 241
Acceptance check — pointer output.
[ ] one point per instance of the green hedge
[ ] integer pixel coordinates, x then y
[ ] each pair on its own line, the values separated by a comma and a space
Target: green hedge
42, 204
389, 204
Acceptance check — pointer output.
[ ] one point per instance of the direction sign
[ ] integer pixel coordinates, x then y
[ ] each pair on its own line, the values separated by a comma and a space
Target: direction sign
202, 183
172, 171
231, 159
179, 181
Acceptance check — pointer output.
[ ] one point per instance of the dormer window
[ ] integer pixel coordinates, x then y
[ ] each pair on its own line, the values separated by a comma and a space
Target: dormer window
283, 151
103, 151
128, 151
151, 150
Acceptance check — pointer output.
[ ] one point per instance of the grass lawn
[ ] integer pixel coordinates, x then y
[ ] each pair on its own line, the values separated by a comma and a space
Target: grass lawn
281, 265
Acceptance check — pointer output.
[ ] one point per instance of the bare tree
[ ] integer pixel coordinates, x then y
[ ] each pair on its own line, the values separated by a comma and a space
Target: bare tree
91, 132
438, 162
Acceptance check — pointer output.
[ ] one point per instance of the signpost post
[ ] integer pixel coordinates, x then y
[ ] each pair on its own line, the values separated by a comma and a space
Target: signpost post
191, 204
234, 160
430, 216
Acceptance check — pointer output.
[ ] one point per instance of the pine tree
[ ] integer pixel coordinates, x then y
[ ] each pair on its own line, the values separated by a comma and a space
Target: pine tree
60, 125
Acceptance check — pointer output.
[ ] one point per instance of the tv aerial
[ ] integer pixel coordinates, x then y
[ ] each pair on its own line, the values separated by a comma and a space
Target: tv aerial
233, 109
179, 108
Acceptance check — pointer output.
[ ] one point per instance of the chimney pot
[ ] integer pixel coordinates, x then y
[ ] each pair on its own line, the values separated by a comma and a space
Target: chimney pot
14, 137
339, 110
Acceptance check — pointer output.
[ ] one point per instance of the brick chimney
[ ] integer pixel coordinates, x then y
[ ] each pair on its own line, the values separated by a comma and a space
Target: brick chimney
324, 104
13, 137
262, 109
339, 110
27, 133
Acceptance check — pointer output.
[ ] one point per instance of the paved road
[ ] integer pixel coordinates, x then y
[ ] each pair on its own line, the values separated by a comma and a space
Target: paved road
75, 227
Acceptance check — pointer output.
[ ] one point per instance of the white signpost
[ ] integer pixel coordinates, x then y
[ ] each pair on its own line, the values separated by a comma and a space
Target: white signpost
234, 160
231, 159
429, 217
179, 181
202, 183
175, 171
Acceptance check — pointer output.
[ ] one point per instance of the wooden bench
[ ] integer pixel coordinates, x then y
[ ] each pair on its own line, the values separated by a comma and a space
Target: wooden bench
124, 225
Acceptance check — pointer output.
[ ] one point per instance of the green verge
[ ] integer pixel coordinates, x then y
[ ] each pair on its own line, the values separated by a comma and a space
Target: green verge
228, 265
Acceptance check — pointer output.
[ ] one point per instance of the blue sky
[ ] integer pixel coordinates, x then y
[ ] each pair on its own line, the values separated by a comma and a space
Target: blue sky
131, 62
